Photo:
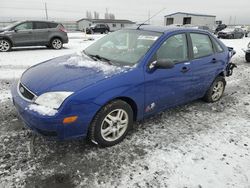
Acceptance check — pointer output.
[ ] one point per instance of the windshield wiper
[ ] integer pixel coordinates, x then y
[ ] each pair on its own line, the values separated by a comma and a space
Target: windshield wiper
97, 57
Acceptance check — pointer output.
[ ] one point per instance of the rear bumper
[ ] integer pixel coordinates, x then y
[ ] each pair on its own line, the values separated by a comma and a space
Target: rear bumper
66, 39
52, 126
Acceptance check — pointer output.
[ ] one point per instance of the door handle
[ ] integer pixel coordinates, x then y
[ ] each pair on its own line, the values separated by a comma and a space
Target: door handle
184, 69
214, 60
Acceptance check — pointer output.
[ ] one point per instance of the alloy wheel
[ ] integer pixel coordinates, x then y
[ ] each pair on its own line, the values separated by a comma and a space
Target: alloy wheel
217, 90
57, 44
4, 45
114, 125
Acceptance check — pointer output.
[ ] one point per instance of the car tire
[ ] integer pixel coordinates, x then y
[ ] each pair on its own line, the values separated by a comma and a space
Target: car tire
231, 37
56, 43
111, 124
5, 45
248, 57
216, 90
106, 32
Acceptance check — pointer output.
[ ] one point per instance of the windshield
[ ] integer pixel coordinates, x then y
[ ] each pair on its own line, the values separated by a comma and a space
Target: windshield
10, 26
124, 47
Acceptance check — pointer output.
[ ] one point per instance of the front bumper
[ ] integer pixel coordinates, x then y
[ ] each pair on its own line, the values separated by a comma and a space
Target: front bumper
53, 126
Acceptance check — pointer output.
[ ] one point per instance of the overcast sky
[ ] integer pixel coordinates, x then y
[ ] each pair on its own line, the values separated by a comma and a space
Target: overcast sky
135, 10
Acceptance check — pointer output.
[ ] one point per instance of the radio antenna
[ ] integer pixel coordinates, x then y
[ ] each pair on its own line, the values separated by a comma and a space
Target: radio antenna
150, 18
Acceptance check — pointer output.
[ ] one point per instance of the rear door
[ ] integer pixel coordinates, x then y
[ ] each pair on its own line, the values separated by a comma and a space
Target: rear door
23, 34
41, 33
206, 63
168, 87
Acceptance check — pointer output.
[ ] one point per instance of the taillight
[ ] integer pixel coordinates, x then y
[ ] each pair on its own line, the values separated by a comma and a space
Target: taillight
63, 29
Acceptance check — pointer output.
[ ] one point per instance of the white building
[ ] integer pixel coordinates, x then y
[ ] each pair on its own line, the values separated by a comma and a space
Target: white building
113, 24
183, 18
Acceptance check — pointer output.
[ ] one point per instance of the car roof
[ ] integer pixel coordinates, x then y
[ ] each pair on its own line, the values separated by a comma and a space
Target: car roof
166, 29
46, 21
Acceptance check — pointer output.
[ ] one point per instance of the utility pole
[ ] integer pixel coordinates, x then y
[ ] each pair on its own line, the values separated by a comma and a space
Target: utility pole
46, 11
235, 20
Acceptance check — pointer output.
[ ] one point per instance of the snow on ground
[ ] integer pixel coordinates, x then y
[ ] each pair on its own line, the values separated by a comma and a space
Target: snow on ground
194, 145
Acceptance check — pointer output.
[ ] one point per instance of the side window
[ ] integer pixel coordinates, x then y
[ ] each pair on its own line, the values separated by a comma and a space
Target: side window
53, 25
202, 45
41, 25
218, 47
174, 49
24, 26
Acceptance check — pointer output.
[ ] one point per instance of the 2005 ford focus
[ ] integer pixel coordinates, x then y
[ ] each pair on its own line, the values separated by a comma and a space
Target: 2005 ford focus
124, 77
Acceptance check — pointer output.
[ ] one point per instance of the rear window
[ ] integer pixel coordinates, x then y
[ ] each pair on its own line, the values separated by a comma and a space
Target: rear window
218, 47
202, 45
41, 25
53, 25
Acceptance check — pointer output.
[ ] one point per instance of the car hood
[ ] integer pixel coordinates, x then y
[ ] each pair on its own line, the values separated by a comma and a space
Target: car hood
2, 30
68, 73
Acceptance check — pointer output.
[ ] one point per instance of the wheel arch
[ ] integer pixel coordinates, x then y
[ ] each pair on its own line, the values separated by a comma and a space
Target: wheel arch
128, 100
55, 37
8, 39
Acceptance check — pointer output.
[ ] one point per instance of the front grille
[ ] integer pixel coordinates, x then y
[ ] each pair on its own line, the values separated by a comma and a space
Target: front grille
25, 93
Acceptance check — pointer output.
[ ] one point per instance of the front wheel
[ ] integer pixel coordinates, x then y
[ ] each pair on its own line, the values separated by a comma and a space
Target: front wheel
111, 124
56, 43
5, 45
216, 90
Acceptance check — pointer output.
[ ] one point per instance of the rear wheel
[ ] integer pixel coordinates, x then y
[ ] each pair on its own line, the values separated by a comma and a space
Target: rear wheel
56, 43
111, 124
216, 90
106, 32
5, 45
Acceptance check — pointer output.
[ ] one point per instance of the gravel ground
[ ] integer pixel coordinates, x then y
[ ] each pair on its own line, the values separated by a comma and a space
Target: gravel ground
194, 145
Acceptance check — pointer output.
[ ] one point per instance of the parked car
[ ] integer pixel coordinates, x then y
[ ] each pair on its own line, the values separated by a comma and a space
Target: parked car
231, 33
206, 28
98, 28
125, 76
248, 53
33, 33
220, 28
246, 29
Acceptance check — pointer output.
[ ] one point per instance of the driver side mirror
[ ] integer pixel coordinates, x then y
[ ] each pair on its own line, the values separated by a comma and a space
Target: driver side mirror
14, 29
162, 64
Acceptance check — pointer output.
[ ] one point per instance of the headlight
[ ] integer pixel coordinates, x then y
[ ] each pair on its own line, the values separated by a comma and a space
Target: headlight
52, 99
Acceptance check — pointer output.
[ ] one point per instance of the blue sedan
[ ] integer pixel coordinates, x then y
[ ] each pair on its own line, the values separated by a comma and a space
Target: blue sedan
126, 76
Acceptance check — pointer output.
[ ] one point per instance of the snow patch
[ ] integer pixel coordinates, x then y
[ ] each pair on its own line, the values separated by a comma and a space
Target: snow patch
80, 61
42, 110
5, 95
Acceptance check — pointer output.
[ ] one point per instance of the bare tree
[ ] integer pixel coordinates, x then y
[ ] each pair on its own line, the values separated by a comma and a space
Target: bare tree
96, 15
109, 16
88, 15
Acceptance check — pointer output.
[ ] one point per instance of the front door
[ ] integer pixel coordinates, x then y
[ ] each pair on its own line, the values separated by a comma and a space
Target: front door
169, 87
23, 34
